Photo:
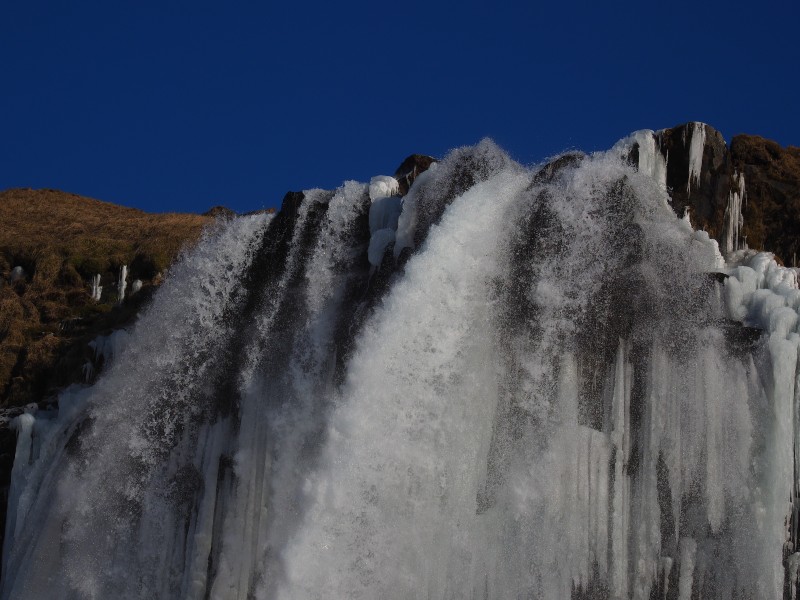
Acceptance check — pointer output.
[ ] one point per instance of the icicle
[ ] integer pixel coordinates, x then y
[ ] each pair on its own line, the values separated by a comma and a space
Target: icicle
122, 283
696, 148
651, 162
97, 289
734, 220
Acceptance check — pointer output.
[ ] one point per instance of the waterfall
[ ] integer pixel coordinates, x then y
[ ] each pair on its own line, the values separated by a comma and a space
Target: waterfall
544, 384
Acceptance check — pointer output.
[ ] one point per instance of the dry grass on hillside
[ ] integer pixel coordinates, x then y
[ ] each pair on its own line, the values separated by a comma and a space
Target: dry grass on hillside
92, 235
61, 240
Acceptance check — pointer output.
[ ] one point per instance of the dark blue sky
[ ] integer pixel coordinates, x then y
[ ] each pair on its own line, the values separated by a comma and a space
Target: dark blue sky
183, 105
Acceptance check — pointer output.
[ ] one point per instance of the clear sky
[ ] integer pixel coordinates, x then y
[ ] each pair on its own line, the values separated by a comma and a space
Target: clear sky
167, 105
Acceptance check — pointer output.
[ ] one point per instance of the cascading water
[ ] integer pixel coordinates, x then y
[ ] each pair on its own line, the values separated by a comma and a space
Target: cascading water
564, 392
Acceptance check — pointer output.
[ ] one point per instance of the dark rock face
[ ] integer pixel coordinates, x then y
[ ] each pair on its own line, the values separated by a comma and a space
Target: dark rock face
708, 197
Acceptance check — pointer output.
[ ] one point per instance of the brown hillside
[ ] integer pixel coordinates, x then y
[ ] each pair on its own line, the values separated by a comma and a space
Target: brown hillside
61, 240
772, 207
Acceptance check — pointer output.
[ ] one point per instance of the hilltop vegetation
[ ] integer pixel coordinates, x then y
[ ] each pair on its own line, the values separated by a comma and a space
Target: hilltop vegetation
57, 242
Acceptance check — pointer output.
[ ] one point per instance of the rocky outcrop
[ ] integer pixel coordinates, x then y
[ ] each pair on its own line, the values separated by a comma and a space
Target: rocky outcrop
746, 194
410, 168
220, 212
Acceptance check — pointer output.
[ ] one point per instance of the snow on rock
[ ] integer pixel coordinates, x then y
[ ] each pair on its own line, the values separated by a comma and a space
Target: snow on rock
382, 186
698, 143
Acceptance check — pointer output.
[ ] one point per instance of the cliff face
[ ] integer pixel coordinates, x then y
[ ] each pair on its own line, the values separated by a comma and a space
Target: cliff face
52, 246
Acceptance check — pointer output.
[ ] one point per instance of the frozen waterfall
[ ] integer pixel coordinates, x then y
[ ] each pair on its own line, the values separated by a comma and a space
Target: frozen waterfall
558, 389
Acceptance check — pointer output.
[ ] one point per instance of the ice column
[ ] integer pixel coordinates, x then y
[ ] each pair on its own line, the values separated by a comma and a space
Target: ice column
97, 289
696, 147
122, 283
734, 221
384, 213
651, 161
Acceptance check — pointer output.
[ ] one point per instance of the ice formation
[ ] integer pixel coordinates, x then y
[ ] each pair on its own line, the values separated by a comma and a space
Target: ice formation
17, 273
106, 347
97, 289
651, 161
383, 215
407, 221
122, 283
697, 145
136, 286
88, 371
382, 186
565, 392
734, 221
